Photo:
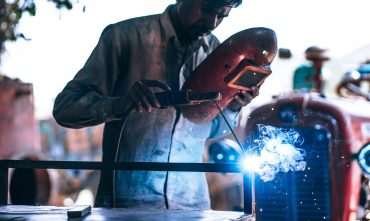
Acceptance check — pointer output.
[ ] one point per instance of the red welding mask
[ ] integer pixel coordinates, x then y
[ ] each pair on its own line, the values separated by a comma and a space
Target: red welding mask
240, 62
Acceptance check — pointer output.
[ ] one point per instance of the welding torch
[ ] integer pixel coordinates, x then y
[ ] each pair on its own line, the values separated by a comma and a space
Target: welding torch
179, 98
170, 98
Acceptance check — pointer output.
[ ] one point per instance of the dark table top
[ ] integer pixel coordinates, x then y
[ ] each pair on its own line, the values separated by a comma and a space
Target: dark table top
52, 213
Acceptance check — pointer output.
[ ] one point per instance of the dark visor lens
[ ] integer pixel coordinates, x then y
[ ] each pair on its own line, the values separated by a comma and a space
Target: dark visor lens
250, 78
246, 75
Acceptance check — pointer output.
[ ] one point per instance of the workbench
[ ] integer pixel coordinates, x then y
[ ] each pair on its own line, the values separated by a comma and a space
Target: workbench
53, 213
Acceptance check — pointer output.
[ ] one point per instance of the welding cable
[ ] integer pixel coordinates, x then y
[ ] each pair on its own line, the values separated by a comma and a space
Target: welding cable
149, 83
230, 128
253, 211
113, 198
166, 101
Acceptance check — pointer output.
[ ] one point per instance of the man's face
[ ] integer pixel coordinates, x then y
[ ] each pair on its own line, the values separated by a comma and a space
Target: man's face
200, 17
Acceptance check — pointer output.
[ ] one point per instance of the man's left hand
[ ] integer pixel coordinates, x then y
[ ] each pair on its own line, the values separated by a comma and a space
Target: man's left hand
243, 98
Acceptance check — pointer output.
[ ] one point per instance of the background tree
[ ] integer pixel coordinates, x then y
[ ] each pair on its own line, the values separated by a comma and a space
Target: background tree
11, 12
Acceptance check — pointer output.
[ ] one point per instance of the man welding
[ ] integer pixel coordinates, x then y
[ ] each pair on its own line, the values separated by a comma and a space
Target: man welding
165, 48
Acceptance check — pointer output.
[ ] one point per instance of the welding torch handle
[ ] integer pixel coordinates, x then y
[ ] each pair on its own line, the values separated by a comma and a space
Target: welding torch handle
181, 98
178, 98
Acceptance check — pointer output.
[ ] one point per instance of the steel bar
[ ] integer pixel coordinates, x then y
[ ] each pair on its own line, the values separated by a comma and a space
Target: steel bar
147, 166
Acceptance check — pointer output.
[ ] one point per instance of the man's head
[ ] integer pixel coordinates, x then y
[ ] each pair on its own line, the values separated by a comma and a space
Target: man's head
200, 17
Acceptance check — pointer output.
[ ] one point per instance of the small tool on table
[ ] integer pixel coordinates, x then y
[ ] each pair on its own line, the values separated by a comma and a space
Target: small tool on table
78, 211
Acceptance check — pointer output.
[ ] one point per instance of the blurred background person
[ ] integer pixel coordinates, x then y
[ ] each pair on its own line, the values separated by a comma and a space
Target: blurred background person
311, 76
356, 82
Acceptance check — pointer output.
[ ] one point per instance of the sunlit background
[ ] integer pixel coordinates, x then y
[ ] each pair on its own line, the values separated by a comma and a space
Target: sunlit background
62, 40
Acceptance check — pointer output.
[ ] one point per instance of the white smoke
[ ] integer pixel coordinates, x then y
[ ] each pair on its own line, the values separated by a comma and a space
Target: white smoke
275, 151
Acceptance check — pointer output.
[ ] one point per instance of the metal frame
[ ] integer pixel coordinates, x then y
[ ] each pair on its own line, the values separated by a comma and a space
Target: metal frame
144, 166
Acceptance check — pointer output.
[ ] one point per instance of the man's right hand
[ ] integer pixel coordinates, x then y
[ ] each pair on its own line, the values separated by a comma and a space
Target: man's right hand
141, 97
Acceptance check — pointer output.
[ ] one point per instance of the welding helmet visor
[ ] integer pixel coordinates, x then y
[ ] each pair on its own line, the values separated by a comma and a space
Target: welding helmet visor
246, 75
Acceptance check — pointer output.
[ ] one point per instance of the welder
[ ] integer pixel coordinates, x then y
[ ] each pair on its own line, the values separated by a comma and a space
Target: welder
115, 87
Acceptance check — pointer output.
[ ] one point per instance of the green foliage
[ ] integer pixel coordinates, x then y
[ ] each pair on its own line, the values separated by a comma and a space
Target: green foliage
11, 12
